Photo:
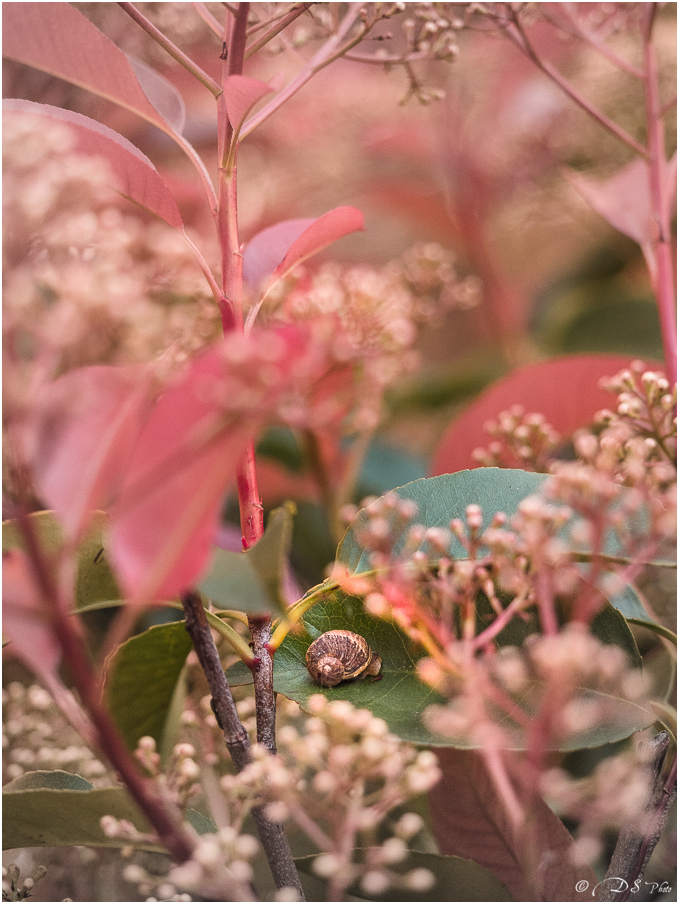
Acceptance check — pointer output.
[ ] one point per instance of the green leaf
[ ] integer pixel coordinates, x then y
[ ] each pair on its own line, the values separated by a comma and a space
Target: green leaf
141, 679
202, 824
95, 583
398, 696
457, 879
439, 499
385, 467
252, 581
35, 812
57, 779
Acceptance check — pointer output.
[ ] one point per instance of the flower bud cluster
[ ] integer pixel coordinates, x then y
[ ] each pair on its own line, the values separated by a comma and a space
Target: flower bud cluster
85, 283
181, 774
569, 683
37, 737
613, 793
520, 440
16, 889
338, 777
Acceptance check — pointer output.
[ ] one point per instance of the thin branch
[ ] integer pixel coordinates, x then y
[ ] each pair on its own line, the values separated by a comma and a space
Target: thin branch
577, 31
162, 815
322, 58
663, 277
264, 39
669, 105
641, 833
519, 37
271, 834
209, 19
171, 48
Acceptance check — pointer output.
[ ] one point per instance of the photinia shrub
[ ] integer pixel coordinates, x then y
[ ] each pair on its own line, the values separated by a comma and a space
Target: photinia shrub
494, 700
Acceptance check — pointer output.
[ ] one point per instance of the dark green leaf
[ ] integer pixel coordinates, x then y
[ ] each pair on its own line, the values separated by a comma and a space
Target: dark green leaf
252, 581
280, 444
457, 879
141, 679
43, 815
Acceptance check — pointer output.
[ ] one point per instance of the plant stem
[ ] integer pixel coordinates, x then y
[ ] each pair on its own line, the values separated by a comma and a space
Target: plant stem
162, 815
641, 833
275, 29
171, 48
518, 36
663, 278
271, 834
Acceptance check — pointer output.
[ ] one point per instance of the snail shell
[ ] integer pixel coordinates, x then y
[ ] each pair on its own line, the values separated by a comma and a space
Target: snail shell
339, 655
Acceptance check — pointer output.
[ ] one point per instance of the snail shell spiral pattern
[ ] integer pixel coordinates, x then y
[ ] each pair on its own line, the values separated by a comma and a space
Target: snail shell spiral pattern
339, 656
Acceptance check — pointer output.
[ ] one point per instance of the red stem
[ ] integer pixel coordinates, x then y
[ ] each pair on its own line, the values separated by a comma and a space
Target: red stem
158, 811
663, 278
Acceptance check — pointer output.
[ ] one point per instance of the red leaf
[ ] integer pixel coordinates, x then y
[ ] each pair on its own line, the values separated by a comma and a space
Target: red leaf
136, 177
275, 251
24, 620
469, 821
165, 520
565, 390
85, 425
241, 93
56, 38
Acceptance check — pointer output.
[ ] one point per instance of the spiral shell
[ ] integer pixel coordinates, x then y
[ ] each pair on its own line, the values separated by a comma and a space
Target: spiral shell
340, 655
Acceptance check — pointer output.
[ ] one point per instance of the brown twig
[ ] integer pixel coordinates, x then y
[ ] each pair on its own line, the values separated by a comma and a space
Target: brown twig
642, 832
271, 834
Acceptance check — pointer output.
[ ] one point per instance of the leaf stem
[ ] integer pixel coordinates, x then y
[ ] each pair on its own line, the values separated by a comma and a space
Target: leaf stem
171, 48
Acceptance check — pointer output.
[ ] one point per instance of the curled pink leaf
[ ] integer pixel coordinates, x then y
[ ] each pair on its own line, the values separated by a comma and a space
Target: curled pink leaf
275, 251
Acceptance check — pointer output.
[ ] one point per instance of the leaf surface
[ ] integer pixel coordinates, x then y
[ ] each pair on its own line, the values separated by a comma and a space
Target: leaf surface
275, 251
253, 581
36, 813
95, 582
162, 94
165, 519
457, 879
241, 93
56, 38
141, 677
135, 177
85, 426
565, 390
469, 821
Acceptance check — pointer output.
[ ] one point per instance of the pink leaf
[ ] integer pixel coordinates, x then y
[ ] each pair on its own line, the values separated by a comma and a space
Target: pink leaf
136, 177
264, 252
469, 821
565, 390
24, 619
624, 201
241, 94
85, 426
163, 95
275, 251
165, 520
56, 38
